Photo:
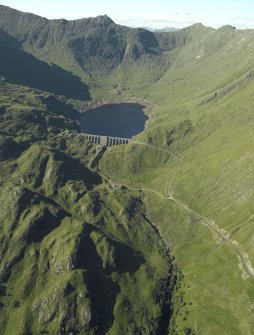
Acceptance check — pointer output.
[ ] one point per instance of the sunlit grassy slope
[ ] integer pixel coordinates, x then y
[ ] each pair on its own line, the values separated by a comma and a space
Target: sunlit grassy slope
204, 120
191, 171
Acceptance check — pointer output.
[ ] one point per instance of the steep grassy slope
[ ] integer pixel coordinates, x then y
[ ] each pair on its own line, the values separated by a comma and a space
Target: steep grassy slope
198, 157
108, 57
78, 255
24, 69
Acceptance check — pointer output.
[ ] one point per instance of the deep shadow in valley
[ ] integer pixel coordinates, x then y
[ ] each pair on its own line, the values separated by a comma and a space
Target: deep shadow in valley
23, 68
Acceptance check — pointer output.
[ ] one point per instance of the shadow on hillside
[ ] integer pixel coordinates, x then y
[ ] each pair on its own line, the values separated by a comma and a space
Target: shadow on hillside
103, 290
24, 69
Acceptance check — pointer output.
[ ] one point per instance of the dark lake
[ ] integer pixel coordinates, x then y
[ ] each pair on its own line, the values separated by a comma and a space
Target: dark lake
116, 120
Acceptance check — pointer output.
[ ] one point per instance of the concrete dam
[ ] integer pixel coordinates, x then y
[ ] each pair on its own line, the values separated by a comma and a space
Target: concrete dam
106, 141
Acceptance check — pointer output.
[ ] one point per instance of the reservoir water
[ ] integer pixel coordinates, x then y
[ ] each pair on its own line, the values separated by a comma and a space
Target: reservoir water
116, 120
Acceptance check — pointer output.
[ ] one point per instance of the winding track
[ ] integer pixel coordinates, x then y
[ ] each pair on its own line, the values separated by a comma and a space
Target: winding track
225, 235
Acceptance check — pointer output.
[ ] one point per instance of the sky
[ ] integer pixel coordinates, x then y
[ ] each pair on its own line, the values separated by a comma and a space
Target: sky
146, 13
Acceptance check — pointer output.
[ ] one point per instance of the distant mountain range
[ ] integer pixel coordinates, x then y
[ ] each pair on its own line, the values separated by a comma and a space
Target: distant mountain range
161, 30
90, 49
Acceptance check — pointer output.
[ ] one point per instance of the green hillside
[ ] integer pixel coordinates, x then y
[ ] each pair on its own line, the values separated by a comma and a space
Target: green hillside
93, 49
77, 254
198, 154
156, 237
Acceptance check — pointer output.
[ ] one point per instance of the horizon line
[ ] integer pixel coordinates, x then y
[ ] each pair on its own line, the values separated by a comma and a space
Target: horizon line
153, 24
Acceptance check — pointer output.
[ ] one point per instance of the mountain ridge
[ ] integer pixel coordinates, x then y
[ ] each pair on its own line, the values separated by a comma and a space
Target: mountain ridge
106, 49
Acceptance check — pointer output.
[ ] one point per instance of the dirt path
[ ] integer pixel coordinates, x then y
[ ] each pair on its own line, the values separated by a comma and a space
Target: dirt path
225, 235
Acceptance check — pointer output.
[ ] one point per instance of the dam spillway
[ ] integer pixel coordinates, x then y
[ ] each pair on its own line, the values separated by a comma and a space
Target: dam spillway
107, 141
